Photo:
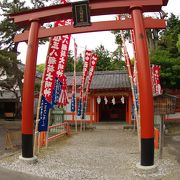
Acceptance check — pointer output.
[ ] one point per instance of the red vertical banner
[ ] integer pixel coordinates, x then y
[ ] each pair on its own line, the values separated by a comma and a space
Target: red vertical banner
156, 79
51, 67
88, 55
152, 78
94, 59
63, 99
55, 65
57, 55
63, 56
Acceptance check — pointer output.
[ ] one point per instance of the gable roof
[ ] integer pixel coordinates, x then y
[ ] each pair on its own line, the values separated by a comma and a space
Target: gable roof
103, 80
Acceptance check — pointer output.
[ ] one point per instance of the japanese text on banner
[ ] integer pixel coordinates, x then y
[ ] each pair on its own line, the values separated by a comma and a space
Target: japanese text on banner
88, 55
94, 59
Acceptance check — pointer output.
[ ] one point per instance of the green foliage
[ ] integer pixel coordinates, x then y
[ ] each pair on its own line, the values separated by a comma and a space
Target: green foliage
70, 63
79, 64
169, 36
178, 43
170, 68
10, 74
8, 29
40, 68
167, 54
105, 61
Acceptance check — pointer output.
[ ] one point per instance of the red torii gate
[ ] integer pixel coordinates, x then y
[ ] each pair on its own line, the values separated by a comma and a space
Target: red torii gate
35, 18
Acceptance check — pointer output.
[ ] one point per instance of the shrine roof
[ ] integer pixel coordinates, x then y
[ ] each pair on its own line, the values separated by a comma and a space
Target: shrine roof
8, 95
103, 80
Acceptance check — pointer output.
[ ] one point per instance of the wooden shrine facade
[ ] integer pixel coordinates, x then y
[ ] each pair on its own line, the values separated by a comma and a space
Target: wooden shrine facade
105, 84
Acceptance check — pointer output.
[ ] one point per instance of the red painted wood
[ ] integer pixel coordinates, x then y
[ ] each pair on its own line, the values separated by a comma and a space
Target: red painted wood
144, 76
29, 79
96, 26
97, 7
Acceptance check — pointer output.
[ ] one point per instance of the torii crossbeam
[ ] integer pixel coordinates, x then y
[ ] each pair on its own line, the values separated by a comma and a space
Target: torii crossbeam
135, 8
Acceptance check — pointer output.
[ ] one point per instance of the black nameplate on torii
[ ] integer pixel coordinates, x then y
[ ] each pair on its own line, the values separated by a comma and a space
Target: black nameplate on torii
81, 13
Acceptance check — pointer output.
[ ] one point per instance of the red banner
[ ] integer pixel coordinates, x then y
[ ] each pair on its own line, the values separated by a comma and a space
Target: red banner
88, 55
63, 56
94, 59
51, 67
156, 79
56, 59
63, 99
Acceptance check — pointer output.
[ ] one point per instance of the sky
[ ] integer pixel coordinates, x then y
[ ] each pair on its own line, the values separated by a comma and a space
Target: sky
95, 39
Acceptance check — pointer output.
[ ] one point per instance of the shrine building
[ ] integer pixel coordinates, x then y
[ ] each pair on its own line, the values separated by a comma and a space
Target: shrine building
109, 100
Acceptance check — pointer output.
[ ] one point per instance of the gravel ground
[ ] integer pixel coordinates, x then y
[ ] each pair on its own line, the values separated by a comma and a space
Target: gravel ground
95, 155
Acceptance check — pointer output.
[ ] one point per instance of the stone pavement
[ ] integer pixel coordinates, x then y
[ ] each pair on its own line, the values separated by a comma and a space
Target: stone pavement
95, 154
6, 174
10, 136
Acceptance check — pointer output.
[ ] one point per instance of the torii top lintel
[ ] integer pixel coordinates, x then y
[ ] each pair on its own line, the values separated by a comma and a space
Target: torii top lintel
97, 7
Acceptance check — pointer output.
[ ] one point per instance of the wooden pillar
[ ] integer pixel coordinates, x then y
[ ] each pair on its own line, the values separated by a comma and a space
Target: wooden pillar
129, 109
145, 89
95, 109
98, 112
90, 109
28, 91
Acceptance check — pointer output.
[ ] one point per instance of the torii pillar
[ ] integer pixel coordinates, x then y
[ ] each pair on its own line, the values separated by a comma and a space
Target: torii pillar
145, 89
28, 93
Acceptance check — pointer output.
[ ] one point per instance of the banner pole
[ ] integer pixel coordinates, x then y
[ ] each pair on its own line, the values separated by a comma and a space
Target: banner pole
75, 53
38, 107
132, 85
137, 86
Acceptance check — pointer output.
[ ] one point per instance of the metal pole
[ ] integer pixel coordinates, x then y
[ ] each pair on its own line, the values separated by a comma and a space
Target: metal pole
145, 89
28, 91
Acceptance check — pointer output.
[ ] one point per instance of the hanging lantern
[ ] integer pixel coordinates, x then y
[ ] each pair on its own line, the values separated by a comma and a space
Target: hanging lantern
99, 100
105, 99
113, 100
122, 99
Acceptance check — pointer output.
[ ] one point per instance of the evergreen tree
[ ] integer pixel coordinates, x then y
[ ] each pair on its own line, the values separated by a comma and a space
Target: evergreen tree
167, 55
11, 71
169, 36
106, 61
9, 64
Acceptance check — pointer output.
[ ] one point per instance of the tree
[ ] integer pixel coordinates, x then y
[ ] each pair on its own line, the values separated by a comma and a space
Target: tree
169, 36
11, 73
105, 60
167, 55
79, 64
70, 63
40, 68
8, 30
170, 68
178, 43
